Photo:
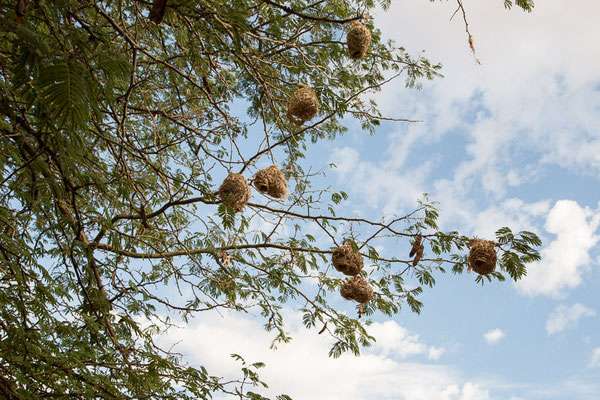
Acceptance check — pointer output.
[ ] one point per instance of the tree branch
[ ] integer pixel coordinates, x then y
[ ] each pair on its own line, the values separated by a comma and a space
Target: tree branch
310, 17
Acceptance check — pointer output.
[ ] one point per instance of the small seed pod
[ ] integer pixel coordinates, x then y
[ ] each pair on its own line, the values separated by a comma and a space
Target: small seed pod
157, 12
234, 191
346, 260
21, 6
303, 105
271, 181
482, 257
418, 254
415, 245
358, 289
358, 40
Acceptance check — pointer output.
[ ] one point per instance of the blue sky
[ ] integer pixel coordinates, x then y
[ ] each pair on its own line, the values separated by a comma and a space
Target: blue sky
513, 142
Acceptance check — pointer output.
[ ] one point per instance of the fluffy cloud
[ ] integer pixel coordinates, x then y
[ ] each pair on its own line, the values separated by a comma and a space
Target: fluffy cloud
394, 340
435, 353
381, 372
493, 336
503, 106
504, 121
381, 182
566, 257
563, 317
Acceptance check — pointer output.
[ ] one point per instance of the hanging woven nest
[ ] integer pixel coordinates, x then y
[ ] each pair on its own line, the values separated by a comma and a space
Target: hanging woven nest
482, 257
346, 260
271, 182
358, 40
358, 289
234, 191
303, 105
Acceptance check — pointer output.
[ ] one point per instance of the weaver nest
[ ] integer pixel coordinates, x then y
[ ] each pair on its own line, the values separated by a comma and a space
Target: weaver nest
346, 260
358, 289
358, 40
482, 257
234, 191
303, 105
271, 182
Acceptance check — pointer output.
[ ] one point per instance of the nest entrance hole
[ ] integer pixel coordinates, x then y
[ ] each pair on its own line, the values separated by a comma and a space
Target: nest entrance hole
358, 40
482, 256
346, 260
358, 289
272, 182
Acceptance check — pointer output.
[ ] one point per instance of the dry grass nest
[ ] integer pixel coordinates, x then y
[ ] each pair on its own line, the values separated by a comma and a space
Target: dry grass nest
303, 105
234, 191
358, 289
346, 260
482, 257
358, 40
271, 182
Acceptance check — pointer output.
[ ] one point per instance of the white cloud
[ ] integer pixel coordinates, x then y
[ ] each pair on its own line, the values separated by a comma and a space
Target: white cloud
512, 212
595, 360
563, 317
380, 372
435, 353
514, 118
547, 107
382, 186
474, 392
394, 340
345, 160
493, 336
567, 256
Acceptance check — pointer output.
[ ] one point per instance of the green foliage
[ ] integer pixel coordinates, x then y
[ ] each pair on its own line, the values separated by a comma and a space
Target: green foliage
526, 5
116, 134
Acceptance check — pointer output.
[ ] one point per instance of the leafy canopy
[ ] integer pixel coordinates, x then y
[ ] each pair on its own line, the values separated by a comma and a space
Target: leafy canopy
119, 121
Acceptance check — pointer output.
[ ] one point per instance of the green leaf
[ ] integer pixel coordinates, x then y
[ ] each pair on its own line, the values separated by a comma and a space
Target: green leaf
64, 92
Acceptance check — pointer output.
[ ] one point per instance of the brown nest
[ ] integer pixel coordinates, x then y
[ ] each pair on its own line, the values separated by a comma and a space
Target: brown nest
234, 191
482, 257
271, 182
358, 40
303, 105
358, 289
346, 260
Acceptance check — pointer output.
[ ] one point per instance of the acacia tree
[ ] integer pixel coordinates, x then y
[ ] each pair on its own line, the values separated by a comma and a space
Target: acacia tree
120, 120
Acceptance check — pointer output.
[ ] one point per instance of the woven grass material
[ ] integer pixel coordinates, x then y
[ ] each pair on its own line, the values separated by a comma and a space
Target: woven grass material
271, 181
358, 289
303, 105
234, 191
346, 260
358, 40
482, 257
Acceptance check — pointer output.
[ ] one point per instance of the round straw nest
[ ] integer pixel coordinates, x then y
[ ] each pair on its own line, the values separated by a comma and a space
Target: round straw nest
303, 105
358, 40
358, 289
234, 191
346, 260
482, 257
271, 182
